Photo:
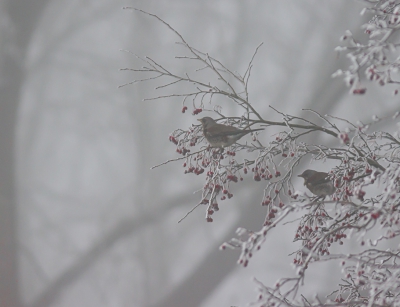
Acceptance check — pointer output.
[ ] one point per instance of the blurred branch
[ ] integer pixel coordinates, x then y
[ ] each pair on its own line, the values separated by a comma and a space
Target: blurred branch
85, 262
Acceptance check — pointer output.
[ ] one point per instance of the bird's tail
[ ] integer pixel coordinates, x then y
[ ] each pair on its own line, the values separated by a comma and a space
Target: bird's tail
239, 132
252, 130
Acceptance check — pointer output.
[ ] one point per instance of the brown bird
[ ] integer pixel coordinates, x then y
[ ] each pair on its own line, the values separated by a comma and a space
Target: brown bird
219, 135
318, 182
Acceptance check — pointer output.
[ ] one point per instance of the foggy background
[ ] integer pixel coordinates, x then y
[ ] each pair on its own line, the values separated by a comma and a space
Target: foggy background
83, 219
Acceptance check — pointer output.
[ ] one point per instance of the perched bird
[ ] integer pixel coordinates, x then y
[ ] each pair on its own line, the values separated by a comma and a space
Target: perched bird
219, 135
318, 182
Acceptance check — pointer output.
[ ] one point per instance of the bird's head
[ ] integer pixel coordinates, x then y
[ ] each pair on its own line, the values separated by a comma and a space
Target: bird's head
207, 121
307, 174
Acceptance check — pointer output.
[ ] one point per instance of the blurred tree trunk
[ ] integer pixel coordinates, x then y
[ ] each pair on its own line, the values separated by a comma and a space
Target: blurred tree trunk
22, 16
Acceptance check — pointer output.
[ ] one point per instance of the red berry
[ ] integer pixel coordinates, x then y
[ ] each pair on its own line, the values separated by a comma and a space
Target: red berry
375, 215
265, 202
197, 111
359, 91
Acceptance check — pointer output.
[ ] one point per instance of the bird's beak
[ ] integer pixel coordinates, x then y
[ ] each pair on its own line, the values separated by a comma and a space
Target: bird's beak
300, 176
199, 119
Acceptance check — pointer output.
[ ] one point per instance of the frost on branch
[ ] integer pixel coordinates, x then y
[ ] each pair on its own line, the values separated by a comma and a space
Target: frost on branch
375, 56
364, 209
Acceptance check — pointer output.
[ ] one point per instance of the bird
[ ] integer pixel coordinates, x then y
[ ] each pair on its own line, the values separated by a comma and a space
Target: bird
219, 135
318, 182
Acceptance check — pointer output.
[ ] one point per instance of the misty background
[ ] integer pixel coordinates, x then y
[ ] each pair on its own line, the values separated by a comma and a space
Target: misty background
83, 219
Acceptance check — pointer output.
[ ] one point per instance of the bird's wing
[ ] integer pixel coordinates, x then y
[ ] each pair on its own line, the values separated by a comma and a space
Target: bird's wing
222, 130
320, 178
239, 131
